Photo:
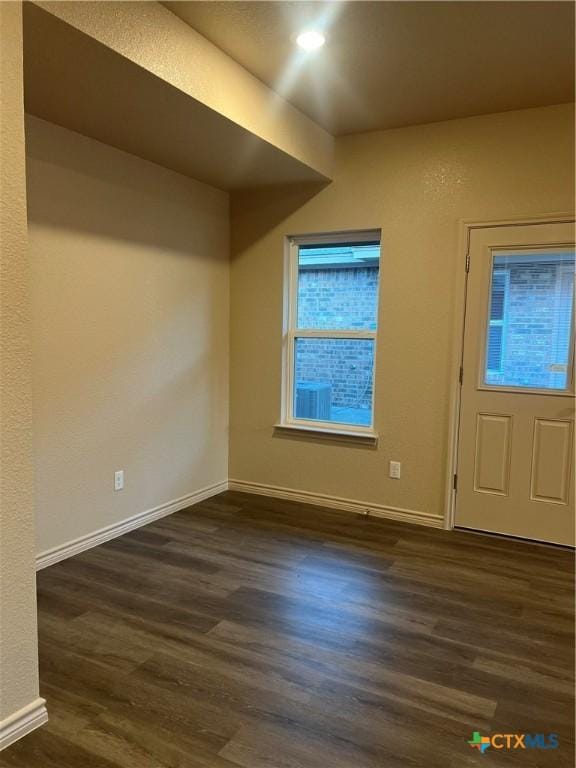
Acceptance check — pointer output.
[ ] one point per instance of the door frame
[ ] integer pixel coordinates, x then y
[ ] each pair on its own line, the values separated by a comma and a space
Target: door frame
465, 229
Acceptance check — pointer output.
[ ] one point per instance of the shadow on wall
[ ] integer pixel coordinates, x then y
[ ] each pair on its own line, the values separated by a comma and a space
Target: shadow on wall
255, 212
110, 189
129, 267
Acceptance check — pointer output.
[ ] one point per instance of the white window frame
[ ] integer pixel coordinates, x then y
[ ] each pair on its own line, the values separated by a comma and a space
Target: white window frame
292, 333
541, 251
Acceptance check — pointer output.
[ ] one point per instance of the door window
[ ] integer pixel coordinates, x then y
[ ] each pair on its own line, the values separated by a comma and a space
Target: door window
529, 327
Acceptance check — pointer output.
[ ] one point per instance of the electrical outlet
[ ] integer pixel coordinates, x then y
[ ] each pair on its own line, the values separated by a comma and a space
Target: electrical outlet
119, 480
395, 468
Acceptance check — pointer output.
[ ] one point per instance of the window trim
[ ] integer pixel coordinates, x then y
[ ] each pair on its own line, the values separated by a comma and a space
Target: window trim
291, 333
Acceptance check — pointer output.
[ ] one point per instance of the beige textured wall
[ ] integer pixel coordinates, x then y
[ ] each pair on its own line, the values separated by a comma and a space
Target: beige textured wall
130, 317
414, 183
18, 643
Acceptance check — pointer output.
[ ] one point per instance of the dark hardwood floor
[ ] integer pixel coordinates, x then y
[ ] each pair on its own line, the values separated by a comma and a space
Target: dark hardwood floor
268, 634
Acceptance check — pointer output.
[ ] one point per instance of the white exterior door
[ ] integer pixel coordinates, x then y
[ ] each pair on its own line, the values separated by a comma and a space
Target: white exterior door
515, 450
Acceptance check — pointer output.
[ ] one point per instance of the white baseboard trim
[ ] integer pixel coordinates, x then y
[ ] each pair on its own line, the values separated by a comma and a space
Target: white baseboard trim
74, 547
21, 723
338, 503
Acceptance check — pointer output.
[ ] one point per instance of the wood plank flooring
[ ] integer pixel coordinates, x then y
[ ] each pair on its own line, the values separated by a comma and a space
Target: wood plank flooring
256, 633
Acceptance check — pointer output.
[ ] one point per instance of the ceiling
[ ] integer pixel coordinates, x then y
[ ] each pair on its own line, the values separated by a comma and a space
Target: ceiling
391, 64
99, 85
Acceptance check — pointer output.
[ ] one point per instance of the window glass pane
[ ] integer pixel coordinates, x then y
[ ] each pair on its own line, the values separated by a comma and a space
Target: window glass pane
338, 286
334, 380
530, 319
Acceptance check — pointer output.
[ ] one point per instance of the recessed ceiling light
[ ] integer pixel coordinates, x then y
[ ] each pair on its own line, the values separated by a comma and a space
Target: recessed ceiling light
310, 40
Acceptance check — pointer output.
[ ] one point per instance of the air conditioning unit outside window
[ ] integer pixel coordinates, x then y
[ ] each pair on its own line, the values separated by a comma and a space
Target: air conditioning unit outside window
313, 400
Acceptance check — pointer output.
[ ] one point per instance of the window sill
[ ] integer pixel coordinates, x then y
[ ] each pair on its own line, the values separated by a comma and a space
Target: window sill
322, 433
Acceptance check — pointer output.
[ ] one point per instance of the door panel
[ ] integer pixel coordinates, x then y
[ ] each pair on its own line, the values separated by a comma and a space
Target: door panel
492, 461
517, 400
551, 461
